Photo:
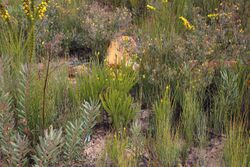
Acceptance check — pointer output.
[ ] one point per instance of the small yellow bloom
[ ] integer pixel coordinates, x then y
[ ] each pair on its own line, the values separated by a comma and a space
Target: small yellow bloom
42, 8
186, 23
4, 13
213, 15
165, 1
151, 7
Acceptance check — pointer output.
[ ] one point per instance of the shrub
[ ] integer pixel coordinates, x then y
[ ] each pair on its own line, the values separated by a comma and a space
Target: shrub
191, 115
236, 150
116, 151
228, 100
91, 84
119, 106
87, 26
166, 142
122, 78
49, 147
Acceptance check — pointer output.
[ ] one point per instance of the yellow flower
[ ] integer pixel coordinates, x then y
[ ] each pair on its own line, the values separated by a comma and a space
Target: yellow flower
165, 1
42, 8
213, 15
186, 23
151, 7
4, 13
26, 9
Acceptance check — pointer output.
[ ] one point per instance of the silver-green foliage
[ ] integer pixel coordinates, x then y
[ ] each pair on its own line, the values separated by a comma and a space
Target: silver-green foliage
90, 112
13, 146
226, 101
21, 104
80, 129
49, 147
16, 150
73, 138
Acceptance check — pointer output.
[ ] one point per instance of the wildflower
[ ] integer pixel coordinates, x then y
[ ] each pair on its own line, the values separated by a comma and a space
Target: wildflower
26, 9
167, 87
186, 23
213, 15
4, 13
151, 7
165, 1
42, 8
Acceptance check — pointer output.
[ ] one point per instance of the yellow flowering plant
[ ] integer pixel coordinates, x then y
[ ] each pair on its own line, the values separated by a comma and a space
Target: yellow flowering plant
42, 8
150, 7
186, 23
4, 13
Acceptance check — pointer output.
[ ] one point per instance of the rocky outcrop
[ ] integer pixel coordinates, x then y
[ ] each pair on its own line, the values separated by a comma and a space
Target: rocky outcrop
122, 50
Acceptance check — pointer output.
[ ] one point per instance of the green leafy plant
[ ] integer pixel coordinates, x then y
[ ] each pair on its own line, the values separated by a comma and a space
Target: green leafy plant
117, 151
166, 142
119, 107
237, 149
90, 112
226, 101
122, 78
13, 146
80, 129
191, 115
91, 84
49, 147
137, 140
73, 137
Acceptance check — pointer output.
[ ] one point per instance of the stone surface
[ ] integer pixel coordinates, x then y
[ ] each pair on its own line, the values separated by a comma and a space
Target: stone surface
121, 49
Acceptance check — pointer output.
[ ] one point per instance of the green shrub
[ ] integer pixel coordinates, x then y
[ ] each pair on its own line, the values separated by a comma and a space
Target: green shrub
49, 147
119, 107
237, 149
191, 115
91, 83
116, 151
122, 78
166, 142
229, 100
87, 27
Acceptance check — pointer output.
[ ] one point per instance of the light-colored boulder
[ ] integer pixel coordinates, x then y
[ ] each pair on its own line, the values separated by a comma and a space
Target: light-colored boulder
121, 50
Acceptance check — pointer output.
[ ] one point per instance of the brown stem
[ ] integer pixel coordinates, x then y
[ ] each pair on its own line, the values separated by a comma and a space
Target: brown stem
44, 91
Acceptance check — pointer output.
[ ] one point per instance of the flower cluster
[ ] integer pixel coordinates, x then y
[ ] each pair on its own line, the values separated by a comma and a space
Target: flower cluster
27, 10
42, 8
4, 13
186, 23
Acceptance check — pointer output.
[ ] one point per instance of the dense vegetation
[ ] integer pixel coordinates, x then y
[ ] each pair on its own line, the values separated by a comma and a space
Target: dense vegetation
190, 71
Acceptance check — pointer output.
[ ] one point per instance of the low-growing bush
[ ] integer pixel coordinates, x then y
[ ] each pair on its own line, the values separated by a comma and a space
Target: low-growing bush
166, 143
237, 149
119, 106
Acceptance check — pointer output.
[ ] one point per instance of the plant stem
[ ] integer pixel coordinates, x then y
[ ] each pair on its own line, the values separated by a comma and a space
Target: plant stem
44, 91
